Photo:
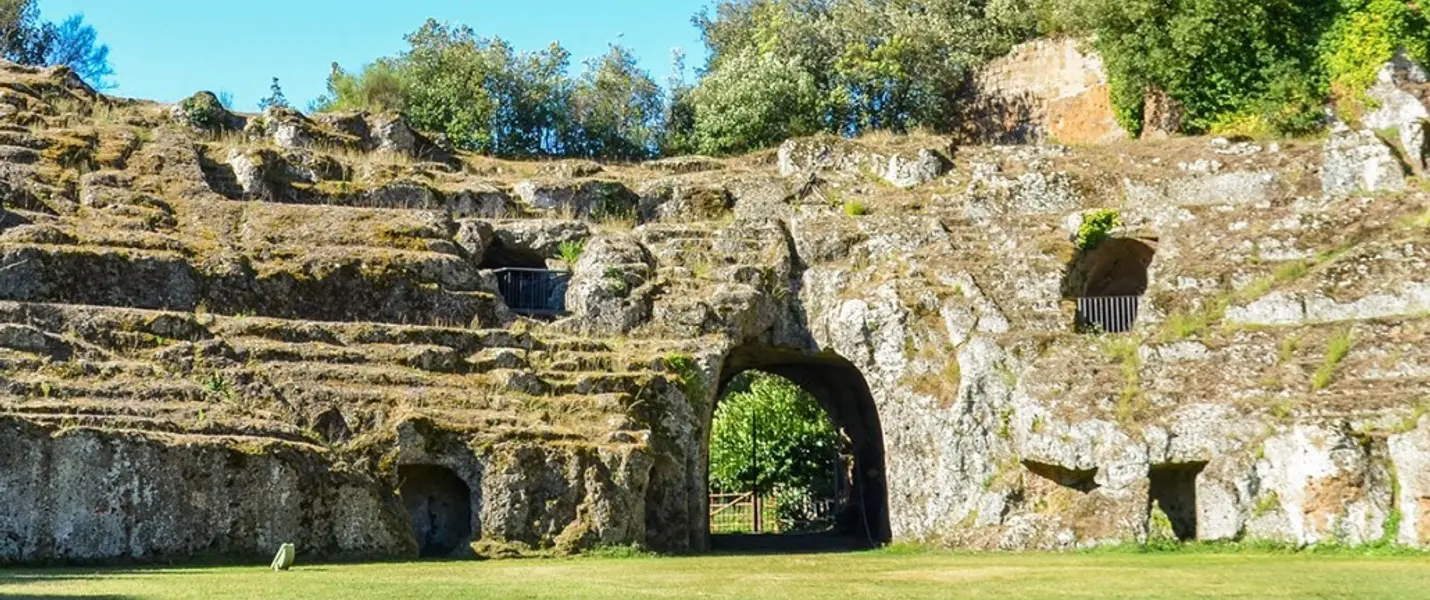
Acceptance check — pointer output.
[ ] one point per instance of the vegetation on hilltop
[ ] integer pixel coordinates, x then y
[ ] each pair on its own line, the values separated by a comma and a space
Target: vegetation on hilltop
486, 96
783, 68
26, 39
1243, 66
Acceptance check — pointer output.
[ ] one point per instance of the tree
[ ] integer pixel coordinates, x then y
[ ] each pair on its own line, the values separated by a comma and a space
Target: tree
275, 97
618, 108
873, 65
782, 426
74, 44
678, 136
26, 39
754, 101
453, 80
538, 118
377, 88
21, 32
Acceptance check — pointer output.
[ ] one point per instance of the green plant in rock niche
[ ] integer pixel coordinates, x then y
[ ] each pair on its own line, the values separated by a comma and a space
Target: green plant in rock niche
692, 379
855, 208
1096, 228
570, 251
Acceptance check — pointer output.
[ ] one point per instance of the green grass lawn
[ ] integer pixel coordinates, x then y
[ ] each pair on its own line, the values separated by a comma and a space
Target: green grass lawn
879, 574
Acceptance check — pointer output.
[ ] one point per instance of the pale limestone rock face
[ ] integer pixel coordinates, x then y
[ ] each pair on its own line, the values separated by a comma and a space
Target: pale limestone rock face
1319, 485
591, 199
1231, 187
1398, 109
1358, 161
306, 344
247, 171
392, 134
848, 159
608, 291
113, 495
1410, 455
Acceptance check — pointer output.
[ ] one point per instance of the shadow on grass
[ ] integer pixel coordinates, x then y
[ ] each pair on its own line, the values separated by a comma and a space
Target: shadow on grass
789, 543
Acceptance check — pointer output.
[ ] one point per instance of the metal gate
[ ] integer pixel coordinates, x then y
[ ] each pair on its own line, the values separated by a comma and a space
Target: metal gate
533, 291
1108, 314
757, 510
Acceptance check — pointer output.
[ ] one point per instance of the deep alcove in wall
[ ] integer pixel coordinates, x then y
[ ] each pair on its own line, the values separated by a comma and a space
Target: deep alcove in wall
439, 506
1174, 490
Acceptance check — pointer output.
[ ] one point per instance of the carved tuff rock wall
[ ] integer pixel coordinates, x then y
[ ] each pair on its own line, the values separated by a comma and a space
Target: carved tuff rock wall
215, 342
1045, 90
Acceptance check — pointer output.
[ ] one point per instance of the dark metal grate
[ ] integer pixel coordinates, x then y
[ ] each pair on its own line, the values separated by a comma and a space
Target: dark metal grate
533, 291
1108, 314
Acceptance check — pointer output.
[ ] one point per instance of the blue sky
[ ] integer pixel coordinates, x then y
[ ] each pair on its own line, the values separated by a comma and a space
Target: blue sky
168, 49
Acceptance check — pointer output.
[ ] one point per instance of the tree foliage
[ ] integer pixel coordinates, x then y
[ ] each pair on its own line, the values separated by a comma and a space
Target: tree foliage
275, 97
781, 426
1267, 65
26, 39
756, 100
854, 65
618, 108
783, 68
486, 96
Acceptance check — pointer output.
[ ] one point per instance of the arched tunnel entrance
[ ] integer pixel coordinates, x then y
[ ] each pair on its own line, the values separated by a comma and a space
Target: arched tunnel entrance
858, 516
1116, 267
439, 507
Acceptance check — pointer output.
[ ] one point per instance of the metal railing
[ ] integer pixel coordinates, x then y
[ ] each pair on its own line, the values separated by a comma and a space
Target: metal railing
533, 291
1107, 314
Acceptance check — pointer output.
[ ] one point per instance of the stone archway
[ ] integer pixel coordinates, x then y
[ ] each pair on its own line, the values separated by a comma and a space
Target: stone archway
844, 395
439, 508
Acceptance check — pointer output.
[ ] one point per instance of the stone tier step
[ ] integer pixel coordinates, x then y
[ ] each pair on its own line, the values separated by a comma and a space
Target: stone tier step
396, 287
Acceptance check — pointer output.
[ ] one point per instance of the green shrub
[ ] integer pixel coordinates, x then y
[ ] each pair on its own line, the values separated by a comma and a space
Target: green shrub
570, 251
204, 111
1243, 67
1365, 35
855, 208
1096, 228
796, 440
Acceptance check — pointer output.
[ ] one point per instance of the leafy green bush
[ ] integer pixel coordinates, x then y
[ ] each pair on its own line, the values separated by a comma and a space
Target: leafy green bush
377, 88
204, 111
782, 426
1365, 35
855, 208
757, 100
570, 251
852, 66
1096, 228
1242, 66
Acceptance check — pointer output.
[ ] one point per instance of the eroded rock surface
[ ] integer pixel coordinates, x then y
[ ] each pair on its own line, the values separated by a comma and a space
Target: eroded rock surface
272, 330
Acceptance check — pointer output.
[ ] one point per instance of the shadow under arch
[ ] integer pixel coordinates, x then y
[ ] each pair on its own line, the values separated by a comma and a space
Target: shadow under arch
844, 395
1116, 267
439, 508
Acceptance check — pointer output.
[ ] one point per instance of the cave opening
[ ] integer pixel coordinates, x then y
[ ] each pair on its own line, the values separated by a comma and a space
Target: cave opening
1173, 490
525, 282
814, 477
1108, 282
439, 508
